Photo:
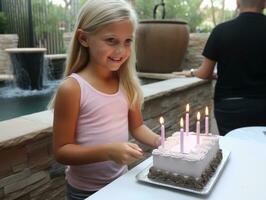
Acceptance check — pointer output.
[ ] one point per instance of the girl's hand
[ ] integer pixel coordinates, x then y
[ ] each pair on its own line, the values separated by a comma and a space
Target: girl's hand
125, 153
157, 142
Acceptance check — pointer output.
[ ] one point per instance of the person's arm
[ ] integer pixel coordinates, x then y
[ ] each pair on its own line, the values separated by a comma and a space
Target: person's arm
66, 151
140, 131
205, 71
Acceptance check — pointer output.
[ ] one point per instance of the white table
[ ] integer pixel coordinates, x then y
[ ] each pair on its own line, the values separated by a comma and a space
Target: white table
256, 133
244, 177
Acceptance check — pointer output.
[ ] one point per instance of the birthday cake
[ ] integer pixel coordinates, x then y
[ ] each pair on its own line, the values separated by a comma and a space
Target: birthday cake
190, 167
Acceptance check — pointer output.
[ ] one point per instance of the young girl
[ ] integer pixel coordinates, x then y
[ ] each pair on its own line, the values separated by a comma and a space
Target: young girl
100, 100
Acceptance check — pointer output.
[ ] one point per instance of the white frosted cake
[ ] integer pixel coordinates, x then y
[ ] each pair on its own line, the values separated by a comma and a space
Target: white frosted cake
193, 167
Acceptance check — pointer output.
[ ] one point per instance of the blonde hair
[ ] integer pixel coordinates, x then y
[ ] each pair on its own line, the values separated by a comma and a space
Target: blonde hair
93, 15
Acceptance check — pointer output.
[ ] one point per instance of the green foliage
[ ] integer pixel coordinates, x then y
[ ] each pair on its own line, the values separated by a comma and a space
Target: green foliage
3, 23
51, 14
144, 8
56, 19
82, 1
198, 19
186, 10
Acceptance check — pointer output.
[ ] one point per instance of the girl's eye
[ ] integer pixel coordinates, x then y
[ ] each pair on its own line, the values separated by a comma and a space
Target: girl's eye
111, 40
128, 41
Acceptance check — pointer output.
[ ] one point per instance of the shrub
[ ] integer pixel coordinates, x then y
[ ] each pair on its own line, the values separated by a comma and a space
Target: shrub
3, 23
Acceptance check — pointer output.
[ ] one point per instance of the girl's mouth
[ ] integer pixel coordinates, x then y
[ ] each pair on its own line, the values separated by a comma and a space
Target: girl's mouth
115, 59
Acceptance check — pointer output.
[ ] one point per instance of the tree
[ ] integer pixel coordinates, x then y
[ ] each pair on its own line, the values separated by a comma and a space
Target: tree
3, 23
213, 12
175, 9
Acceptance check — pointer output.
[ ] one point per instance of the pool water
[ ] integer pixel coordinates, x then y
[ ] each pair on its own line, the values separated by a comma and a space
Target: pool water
15, 107
15, 102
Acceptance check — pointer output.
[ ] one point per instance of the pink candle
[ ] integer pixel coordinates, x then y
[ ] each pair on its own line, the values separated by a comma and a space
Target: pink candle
198, 127
162, 131
187, 119
206, 120
181, 136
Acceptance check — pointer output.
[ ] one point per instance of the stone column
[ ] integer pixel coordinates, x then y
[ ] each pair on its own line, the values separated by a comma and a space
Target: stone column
28, 67
6, 41
193, 57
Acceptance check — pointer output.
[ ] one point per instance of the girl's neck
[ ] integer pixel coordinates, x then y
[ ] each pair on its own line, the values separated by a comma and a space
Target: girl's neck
101, 74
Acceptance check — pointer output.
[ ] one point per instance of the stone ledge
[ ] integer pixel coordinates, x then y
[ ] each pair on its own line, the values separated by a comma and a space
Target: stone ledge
56, 56
6, 77
25, 50
154, 90
158, 76
27, 127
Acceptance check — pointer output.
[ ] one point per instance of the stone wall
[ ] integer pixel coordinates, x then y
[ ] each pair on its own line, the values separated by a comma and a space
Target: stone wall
56, 65
67, 38
6, 41
193, 57
28, 169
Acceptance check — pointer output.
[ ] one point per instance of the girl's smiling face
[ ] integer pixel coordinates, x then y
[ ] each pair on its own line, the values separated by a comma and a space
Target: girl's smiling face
110, 46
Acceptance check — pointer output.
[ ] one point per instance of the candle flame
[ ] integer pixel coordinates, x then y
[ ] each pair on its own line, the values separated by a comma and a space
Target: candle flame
187, 108
161, 120
198, 116
207, 111
181, 122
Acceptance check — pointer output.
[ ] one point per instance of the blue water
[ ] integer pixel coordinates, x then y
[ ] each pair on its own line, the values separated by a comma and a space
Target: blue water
15, 102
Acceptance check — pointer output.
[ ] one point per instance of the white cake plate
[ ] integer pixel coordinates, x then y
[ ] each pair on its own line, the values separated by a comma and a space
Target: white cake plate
143, 177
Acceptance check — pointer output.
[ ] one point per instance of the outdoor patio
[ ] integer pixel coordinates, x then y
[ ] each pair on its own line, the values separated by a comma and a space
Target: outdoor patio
28, 169
31, 172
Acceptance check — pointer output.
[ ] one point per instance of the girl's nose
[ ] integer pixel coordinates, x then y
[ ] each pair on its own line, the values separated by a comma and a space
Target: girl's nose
120, 49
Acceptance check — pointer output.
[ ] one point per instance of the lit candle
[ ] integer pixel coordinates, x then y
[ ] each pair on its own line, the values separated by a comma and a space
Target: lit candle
162, 131
198, 127
181, 136
187, 119
206, 120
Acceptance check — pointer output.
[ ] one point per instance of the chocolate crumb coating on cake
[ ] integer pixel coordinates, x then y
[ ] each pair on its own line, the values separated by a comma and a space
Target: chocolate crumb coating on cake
186, 181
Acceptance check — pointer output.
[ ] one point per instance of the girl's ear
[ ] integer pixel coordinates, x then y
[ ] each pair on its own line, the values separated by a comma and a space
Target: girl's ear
82, 38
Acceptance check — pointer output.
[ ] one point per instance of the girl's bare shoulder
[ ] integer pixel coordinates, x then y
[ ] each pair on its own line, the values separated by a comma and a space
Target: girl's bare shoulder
69, 84
69, 87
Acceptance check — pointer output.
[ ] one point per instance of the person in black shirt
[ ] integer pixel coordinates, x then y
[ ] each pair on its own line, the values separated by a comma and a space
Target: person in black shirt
238, 47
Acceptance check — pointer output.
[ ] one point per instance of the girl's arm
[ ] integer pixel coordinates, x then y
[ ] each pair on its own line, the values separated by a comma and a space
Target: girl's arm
66, 112
140, 131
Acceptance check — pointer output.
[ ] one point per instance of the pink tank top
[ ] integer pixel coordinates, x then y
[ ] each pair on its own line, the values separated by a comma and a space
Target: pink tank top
103, 118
